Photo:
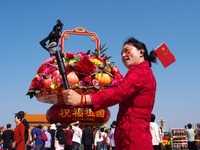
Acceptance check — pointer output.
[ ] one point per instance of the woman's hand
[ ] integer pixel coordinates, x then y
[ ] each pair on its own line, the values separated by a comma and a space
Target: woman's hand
72, 98
13, 145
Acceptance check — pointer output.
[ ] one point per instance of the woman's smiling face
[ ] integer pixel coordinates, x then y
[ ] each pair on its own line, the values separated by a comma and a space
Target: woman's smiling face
131, 55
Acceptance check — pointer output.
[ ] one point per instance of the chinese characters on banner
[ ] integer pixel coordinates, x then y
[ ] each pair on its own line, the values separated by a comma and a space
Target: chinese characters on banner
81, 114
67, 114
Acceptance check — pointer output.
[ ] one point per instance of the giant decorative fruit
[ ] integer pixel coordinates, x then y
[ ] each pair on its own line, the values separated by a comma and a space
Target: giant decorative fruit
72, 78
47, 82
103, 78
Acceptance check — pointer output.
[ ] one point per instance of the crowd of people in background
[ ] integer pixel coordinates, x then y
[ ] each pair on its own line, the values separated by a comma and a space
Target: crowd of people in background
73, 136
57, 137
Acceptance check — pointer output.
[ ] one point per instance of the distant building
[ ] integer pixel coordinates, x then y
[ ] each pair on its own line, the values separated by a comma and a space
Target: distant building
35, 119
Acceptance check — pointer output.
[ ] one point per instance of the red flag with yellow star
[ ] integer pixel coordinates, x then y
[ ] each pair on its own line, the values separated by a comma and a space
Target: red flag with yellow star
164, 55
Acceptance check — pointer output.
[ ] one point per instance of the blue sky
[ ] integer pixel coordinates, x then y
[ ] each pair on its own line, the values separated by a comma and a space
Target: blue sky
177, 23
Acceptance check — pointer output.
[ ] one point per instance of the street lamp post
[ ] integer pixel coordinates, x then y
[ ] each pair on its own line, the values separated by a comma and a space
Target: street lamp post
162, 124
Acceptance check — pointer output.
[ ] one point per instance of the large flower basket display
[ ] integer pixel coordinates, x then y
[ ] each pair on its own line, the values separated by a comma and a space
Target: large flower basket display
87, 72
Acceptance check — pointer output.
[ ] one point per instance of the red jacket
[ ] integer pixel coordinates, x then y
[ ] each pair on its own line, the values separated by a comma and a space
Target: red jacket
69, 135
135, 95
19, 136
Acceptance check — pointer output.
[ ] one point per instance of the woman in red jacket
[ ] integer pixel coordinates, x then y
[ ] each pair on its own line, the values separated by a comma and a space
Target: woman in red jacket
19, 134
135, 95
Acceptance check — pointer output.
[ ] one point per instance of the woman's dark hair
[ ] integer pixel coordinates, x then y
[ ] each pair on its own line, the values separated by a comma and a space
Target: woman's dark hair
19, 117
139, 45
21, 113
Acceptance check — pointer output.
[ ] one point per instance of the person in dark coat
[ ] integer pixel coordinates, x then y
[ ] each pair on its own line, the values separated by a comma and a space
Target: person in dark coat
8, 137
52, 132
87, 137
58, 132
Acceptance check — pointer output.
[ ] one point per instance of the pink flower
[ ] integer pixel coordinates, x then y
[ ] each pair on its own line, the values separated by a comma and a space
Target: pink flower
80, 54
81, 83
92, 56
95, 82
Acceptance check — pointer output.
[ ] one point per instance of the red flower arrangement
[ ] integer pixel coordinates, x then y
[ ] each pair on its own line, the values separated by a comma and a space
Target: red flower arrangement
82, 70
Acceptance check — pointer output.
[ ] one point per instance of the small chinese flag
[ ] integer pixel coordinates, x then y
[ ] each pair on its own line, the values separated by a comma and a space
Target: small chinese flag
164, 55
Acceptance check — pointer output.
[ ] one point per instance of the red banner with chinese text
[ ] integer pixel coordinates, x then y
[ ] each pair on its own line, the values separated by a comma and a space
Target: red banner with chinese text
67, 114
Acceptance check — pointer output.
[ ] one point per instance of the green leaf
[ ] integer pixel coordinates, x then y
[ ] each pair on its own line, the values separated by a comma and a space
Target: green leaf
97, 87
102, 49
37, 91
81, 87
77, 58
